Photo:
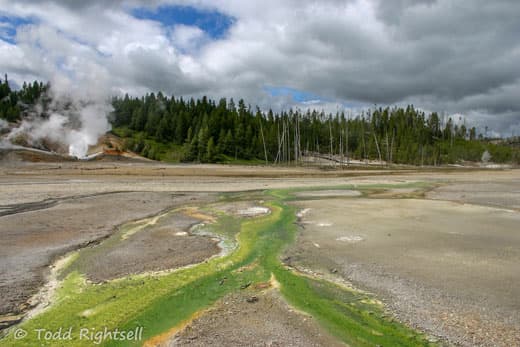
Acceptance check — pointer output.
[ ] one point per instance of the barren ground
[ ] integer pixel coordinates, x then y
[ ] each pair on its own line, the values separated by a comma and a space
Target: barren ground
32, 238
166, 243
235, 321
445, 262
445, 267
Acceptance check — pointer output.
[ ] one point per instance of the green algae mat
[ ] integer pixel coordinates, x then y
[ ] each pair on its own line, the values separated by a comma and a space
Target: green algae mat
134, 309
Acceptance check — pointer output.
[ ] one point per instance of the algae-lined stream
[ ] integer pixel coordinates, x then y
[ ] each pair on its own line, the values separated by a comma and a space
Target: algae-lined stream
159, 303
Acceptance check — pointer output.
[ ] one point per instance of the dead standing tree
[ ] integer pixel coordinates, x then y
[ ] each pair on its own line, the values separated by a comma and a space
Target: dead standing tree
263, 141
331, 153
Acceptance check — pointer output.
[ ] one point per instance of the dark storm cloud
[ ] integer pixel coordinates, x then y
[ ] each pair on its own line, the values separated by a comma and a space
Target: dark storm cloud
445, 55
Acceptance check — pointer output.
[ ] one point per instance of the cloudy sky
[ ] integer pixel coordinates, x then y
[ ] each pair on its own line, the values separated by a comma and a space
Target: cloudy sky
453, 56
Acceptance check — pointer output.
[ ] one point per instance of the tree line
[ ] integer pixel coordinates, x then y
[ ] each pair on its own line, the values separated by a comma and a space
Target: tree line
210, 131
204, 130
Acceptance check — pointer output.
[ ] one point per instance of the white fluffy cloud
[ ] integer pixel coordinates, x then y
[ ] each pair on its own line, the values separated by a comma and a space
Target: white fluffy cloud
444, 55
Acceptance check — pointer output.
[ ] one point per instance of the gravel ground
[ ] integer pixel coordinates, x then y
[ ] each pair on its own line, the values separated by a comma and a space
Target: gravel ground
49, 209
446, 268
267, 322
32, 240
327, 193
34, 182
163, 245
501, 195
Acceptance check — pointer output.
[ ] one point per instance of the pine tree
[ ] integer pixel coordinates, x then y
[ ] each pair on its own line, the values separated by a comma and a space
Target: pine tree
397, 135
210, 151
202, 143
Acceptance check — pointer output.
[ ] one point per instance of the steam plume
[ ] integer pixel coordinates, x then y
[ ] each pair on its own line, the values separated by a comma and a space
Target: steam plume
65, 124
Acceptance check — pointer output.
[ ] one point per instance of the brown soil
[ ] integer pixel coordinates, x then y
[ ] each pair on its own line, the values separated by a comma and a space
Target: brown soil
31, 240
234, 321
164, 245
17, 156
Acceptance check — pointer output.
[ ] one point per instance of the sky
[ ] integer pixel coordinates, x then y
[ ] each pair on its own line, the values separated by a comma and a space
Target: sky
459, 58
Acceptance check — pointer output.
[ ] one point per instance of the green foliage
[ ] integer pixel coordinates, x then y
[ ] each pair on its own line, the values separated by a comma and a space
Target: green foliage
174, 129
395, 135
148, 147
13, 104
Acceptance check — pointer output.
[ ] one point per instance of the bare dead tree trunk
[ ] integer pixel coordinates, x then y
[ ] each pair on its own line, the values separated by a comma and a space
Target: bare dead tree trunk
377, 146
341, 146
299, 141
284, 132
288, 128
296, 138
387, 148
284, 137
363, 140
330, 132
346, 143
263, 141
392, 147
279, 142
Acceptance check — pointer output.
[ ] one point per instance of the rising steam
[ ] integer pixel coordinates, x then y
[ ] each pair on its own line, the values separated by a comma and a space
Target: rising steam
63, 124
